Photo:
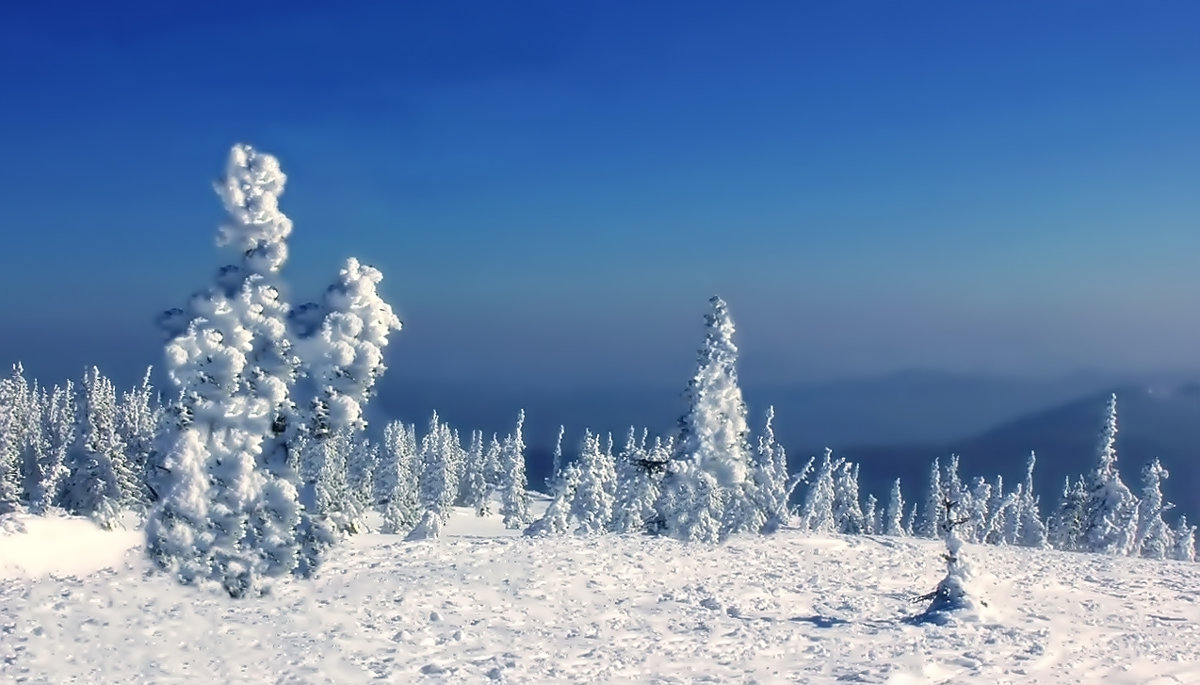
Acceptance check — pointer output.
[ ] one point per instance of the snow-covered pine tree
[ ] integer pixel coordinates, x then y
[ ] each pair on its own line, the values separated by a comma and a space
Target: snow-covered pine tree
434, 481
236, 355
771, 476
848, 516
637, 488
1110, 512
954, 594
475, 487
36, 458
817, 512
98, 467
931, 521
712, 440
871, 516
138, 418
13, 420
557, 518
595, 492
396, 484
1154, 540
1065, 529
556, 462
1184, 536
1033, 531
514, 495
59, 432
910, 521
893, 517
977, 512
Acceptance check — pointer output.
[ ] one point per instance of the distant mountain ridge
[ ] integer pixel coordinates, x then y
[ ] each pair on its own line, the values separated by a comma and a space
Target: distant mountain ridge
1158, 421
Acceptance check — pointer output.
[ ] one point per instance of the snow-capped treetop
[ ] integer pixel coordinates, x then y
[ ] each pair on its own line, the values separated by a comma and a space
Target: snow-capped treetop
713, 433
345, 356
255, 227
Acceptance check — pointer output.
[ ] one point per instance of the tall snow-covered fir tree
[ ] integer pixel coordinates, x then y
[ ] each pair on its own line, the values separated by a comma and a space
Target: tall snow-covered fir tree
98, 471
396, 482
514, 495
253, 375
1033, 531
1065, 528
1154, 540
712, 440
476, 491
14, 391
557, 518
1184, 536
595, 491
138, 419
638, 486
1110, 512
771, 476
817, 511
893, 517
930, 524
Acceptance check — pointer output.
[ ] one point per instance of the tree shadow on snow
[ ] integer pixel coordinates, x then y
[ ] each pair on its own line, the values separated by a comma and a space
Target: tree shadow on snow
820, 621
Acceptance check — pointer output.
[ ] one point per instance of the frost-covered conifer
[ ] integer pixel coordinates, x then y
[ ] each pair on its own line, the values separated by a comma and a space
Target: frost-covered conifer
475, 487
977, 512
514, 495
60, 440
1154, 540
771, 476
556, 462
13, 420
931, 522
637, 488
38, 465
910, 521
396, 484
595, 493
871, 520
713, 434
557, 518
1110, 512
1033, 532
434, 481
1065, 530
954, 594
138, 418
98, 466
817, 512
1184, 537
254, 377
893, 518
847, 510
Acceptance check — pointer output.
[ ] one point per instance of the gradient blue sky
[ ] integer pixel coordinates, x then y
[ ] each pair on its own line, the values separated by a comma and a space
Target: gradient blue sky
554, 189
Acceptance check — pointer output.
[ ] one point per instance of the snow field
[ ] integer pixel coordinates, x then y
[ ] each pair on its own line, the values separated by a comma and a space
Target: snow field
479, 606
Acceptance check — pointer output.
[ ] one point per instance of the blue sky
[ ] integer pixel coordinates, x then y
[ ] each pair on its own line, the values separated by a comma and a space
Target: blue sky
554, 189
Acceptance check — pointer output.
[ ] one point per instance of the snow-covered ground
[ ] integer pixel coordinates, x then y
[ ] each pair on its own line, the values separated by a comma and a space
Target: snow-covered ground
80, 604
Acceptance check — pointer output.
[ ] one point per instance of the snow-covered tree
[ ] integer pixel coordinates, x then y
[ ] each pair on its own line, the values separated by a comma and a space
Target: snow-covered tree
556, 461
1154, 539
931, 521
871, 516
848, 515
557, 518
435, 471
1033, 531
254, 376
1185, 541
475, 488
817, 512
1110, 512
595, 493
514, 495
712, 438
98, 470
14, 399
1065, 529
893, 517
396, 484
771, 476
954, 594
637, 486
137, 420
60, 440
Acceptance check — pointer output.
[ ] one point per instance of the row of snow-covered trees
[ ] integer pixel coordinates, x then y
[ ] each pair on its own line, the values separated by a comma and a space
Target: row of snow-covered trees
707, 482
81, 448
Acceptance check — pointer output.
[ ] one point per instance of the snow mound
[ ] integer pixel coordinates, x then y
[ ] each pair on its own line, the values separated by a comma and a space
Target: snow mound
35, 546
